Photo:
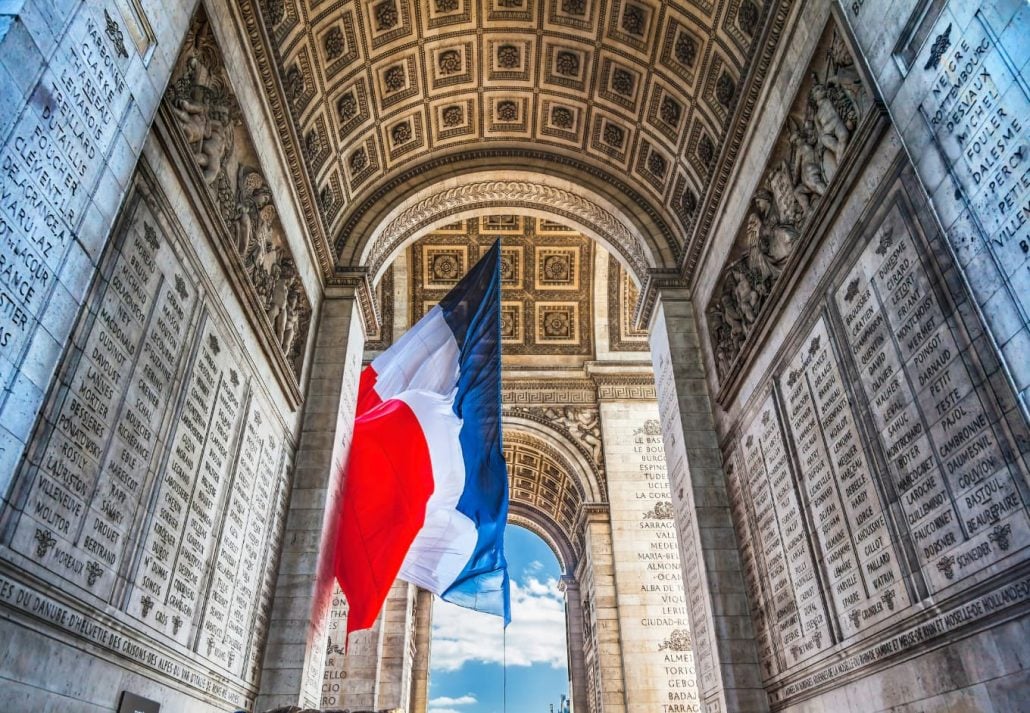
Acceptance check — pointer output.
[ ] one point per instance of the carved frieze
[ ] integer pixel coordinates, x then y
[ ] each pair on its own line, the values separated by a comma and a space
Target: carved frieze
812, 145
203, 104
580, 423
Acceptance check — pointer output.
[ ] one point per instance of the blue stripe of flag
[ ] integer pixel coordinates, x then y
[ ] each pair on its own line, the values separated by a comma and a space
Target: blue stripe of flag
473, 312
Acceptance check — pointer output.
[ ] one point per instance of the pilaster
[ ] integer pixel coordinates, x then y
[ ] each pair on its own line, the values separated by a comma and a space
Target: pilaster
603, 610
295, 658
724, 643
423, 643
574, 640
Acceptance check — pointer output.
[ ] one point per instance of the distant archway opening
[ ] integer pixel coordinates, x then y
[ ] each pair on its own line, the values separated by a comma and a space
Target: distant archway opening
472, 654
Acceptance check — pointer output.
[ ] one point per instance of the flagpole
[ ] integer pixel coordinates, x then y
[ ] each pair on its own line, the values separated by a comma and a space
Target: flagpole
504, 646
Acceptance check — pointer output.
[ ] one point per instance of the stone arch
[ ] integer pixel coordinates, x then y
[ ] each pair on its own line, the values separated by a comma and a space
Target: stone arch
537, 522
588, 472
543, 489
632, 236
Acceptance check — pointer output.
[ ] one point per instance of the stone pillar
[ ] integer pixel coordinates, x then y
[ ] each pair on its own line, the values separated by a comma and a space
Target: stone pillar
604, 608
360, 682
423, 643
728, 672
574, 641
295, 657
655, 634
394, 684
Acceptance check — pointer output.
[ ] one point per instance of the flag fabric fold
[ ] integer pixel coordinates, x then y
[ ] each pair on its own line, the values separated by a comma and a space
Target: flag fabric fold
425, 493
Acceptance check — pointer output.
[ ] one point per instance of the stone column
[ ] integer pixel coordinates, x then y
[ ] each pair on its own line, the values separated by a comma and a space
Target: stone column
604, 606
360, 683
724, 642
295, 657
656, 642
423, 645
574, 641
394, 685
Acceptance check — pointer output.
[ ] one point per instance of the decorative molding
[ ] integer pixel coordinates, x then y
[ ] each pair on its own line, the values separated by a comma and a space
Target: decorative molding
358, 279
582, 425
657, 280
623, 295
381, 337
452, 200
516, 392
625, 388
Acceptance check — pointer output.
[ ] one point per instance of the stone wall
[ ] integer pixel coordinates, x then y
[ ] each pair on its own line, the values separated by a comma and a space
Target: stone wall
81, 83
955, 79
873, 425
150, 410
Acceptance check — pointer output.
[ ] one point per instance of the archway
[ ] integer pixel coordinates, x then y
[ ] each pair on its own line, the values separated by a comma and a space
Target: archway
583, 442
476, 665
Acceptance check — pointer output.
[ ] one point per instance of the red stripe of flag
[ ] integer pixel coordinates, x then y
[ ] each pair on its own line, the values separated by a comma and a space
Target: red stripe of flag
389, 457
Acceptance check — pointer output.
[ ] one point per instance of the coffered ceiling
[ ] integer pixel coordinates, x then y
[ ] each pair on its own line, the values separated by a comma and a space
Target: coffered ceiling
546, 279
638, 90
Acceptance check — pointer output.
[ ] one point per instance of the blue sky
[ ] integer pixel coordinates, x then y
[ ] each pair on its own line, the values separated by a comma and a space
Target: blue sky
466, 675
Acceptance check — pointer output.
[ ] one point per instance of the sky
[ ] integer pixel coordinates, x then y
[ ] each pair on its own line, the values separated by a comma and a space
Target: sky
466, 664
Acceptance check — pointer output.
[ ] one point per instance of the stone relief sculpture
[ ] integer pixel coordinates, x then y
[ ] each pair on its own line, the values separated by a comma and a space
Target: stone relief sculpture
203, 104
802, 166
583, 424
201, 100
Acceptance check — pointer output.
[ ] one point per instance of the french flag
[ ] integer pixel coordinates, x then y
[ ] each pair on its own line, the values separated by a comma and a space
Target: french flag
425, 493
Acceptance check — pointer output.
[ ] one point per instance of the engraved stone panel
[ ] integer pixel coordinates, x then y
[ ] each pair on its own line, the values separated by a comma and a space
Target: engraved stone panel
655, 634
63, 143
85, 487
945, 454
908, 473
754, 574
799, 619
155, 489
970, 83
859, 557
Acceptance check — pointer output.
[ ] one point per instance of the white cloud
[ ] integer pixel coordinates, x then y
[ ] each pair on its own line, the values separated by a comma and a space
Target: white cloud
448, 701
534, 566
536, 633
443, 710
